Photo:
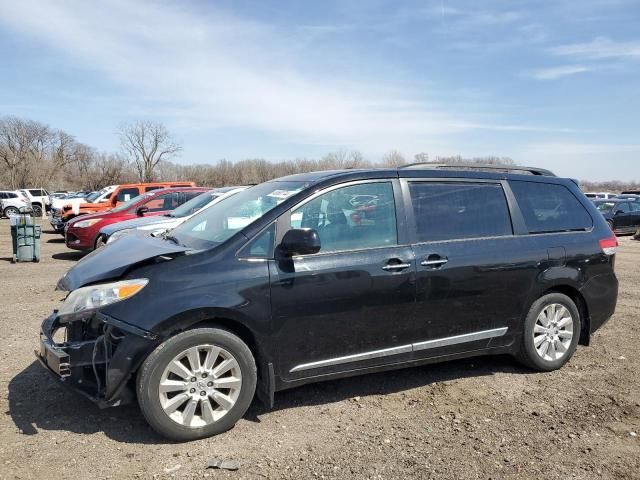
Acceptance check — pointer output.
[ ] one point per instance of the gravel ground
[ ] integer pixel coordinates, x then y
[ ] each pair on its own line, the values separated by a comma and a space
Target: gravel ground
479, 418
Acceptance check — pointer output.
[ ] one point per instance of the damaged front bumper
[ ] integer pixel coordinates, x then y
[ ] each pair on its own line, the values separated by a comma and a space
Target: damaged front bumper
95, 355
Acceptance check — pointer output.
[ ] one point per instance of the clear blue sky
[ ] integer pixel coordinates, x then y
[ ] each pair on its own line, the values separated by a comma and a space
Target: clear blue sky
551, 83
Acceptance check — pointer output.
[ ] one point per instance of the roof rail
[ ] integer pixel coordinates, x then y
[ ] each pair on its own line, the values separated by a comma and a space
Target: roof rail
482, 167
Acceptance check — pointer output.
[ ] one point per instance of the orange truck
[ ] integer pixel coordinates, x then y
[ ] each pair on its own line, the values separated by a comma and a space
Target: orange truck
122, 193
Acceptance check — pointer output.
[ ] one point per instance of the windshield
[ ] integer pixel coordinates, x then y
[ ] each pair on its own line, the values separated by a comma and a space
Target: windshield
605, 207
194, 204
133, 201
94, 196
220, 221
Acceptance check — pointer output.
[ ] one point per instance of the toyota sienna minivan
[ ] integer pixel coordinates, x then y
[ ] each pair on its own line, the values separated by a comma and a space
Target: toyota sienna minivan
330, 274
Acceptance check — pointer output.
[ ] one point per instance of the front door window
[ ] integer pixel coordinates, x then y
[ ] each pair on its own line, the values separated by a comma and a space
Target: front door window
354, 217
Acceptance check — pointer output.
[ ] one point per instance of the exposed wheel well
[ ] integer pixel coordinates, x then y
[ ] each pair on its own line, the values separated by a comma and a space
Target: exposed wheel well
266, 382
580, 302
234, 327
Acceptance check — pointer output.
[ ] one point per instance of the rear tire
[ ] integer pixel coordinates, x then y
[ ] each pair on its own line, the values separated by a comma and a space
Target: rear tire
10, 211
197, 384
551, 333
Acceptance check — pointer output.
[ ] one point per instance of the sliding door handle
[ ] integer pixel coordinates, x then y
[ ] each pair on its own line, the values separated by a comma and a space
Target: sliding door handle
395, 267
434, 261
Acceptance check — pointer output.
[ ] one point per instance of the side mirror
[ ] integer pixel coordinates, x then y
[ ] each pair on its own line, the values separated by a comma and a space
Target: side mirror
618, 212
300, 241
140, 211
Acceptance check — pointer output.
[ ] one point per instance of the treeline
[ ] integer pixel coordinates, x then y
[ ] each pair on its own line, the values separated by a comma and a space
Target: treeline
614, 186
35, 155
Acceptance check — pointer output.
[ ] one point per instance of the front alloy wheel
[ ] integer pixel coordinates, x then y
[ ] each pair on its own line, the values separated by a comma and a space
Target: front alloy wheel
101, 241
197, 384
36, 210
200, 385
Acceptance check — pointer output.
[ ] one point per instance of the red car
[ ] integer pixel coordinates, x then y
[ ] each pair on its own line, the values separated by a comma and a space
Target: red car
81, 233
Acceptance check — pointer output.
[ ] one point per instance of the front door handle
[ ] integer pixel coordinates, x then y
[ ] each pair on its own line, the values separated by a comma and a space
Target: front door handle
395, 267
434, 261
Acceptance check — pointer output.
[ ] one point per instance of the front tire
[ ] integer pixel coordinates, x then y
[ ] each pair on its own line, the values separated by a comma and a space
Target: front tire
101, 241
551, 333
36, 210
197, 384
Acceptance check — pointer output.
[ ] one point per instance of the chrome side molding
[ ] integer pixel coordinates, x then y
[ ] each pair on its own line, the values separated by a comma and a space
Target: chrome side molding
412, 347
467, 337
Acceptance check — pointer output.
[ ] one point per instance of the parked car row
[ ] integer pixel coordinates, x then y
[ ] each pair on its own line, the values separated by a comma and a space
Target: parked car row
11, 201
118, 210
37, 199
325, 275
622, 212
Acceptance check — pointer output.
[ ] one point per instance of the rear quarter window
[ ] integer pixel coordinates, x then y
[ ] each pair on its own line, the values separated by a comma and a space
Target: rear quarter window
549, 207
126, 194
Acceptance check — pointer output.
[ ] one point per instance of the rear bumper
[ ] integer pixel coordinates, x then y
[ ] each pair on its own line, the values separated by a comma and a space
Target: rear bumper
601, 295
99, 366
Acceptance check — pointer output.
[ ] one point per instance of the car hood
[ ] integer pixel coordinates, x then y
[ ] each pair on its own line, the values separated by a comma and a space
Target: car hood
114, 260
135, 223
87, 216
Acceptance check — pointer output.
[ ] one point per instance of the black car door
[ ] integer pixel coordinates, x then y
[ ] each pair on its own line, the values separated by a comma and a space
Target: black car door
472, 276
341, 309
635, 214
623, 217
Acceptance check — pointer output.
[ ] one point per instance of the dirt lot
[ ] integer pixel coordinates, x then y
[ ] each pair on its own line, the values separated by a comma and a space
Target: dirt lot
483, 418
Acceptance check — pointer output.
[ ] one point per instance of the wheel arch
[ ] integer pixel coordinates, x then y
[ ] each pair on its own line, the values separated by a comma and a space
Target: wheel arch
226, 320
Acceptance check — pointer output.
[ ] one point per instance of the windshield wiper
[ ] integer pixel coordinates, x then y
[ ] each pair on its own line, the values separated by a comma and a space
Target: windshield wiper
173, 239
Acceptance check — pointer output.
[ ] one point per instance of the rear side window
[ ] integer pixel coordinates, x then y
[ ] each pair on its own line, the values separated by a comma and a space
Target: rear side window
36, 193
152, 187
166, 201
12, 195
548, 207
451, 211
622, 207
126, 194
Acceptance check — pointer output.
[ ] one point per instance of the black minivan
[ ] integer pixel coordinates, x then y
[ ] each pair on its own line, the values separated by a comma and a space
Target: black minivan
329, 274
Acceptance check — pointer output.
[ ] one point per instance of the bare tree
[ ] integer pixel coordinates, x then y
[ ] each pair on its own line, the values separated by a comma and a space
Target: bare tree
148, 143
393, 158
421, 157
24, 145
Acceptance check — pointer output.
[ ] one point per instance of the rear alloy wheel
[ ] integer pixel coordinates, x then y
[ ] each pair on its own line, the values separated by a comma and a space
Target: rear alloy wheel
551, 332
10, 211
610, 223
197, 384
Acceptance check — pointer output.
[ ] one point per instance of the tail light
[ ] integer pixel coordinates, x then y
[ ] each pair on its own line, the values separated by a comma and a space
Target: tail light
609, 245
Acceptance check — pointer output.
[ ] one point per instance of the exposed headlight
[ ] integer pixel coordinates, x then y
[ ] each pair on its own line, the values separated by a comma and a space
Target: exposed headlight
86, 223
96, 296
120, 233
